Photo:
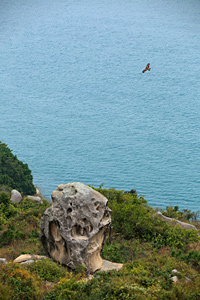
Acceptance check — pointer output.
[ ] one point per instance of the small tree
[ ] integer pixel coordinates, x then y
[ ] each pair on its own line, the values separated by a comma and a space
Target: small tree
14, 173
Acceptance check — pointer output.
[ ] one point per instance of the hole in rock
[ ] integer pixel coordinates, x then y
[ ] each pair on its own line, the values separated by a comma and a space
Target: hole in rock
69, 210
85, 221
79, 232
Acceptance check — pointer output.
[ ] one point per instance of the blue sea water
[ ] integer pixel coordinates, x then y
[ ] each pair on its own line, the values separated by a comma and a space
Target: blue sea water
75, 105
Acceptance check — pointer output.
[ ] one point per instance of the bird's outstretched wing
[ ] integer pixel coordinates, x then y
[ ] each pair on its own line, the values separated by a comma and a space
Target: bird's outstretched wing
147, 68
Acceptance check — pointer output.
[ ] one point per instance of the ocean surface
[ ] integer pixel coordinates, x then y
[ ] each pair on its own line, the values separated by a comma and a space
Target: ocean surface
75, 105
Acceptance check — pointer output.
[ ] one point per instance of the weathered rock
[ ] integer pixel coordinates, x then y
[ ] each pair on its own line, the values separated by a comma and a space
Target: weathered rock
27, 262
35, 198
108, 266
3, 261
28, 257
175, 222
38, 193
174, 271
74, 228
16, 197
174, 278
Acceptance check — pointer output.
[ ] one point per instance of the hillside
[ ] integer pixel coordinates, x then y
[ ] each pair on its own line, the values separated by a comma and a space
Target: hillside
147, 246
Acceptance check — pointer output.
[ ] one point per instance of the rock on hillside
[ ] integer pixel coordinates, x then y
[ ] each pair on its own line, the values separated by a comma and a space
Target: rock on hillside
74, 228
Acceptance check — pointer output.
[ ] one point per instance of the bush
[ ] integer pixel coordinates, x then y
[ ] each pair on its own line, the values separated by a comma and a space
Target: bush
4, 292
47, 270
21, 284
133, 218
7, 210
193, 257
185, 215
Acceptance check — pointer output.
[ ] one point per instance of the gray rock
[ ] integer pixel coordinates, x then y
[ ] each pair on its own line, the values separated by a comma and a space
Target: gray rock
27, 257
187, 279
38, 193
174, 279
175, 222
175, 271
27, 262
16, 197
109, 266
74, 228
35, 198
3, 261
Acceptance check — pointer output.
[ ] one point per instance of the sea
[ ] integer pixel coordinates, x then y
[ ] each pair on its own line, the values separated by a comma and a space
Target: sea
76, 107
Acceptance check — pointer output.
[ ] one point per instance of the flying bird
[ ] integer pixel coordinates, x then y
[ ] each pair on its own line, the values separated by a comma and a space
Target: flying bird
147, 68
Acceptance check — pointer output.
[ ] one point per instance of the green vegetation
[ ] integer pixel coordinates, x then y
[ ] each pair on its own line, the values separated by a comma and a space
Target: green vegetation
147, 246
14, 174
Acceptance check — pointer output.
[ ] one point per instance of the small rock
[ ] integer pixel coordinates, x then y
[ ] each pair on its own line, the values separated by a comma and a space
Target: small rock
39, 257
187, 279
108, 266
22, 258
175, 271
27, 262
16, 197
38, 192
3, 261
34, 198
174, 278
26, 257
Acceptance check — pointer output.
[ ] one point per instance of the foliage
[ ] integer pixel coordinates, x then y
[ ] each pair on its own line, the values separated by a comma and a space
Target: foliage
4, 292
7, 210
133, 218
14, 173
185, 215
47, 270
193, 257
22, 284
21, 222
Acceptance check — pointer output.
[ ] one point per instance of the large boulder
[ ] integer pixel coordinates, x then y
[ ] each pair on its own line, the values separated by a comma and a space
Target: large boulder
74, 228
16, 197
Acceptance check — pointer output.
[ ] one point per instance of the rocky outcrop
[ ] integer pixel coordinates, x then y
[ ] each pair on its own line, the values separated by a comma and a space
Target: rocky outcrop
175, 222
74, 228
16, 197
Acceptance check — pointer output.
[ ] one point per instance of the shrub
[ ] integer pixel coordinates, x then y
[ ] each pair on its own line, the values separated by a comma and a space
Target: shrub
22, 285
14, 173
193, 257
133, 218
7, 210
4, 291
185, 215
47, 270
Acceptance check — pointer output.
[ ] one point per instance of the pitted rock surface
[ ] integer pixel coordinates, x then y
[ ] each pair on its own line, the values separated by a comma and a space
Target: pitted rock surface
74, 228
